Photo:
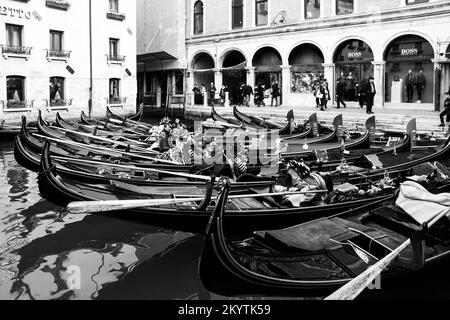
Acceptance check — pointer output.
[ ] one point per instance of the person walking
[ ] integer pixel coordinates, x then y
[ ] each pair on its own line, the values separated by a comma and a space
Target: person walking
317, 94
420, 85
362, 93
446, 112
370, 95
260, 93
275, 94
340, 91
248, 92
212, 94
409, 83
325, 96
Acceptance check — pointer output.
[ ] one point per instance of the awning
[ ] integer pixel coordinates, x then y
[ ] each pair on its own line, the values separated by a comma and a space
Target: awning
155, 57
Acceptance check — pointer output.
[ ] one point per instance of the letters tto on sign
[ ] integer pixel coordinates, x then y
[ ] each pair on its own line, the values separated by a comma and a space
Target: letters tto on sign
19, 13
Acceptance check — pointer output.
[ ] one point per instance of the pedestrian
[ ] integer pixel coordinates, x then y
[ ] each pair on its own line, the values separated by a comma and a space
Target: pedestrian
241, 95
317, 94
362, 93
248, 92
197, 95
222, 94
212, 94
340, 91
409, 83
164, 144
325, 94
446, 112
275, 94
420, 85
371, 91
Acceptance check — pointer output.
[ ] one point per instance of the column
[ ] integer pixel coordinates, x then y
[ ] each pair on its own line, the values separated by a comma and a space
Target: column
189, 86
379, 76
251, 82
218, 81
329, 74
286, 82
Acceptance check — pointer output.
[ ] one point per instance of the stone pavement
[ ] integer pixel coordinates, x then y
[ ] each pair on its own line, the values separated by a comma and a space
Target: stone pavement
387, 118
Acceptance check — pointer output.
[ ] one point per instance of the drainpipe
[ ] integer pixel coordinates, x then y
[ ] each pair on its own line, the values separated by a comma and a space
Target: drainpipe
90, 59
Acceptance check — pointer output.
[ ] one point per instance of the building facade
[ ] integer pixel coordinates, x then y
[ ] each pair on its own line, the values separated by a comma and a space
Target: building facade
161, 51
301, 42
67, 56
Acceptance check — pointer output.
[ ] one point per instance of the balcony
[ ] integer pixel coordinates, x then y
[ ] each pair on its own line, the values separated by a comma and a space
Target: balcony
115, 16
58, 4
116, 102
115, 59
60, 104
61, 55
17, 106
16, 51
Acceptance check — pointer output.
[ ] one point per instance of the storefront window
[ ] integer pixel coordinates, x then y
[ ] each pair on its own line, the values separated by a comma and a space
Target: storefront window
354, 66
344, 6
57, 91
198, 17
179, 82
306, 63
237, 14
262, 12
312, 9
409, 70
267, 62
15, 92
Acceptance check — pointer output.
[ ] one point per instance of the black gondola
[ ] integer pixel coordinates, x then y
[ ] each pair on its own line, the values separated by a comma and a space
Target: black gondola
256, 122
257, 214
315, 258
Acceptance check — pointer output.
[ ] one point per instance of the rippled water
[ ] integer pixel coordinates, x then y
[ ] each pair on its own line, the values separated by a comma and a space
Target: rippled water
40, 246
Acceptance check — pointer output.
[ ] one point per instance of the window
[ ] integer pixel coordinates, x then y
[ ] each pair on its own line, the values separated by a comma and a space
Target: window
114, 91
198, 17
237, 14
179, 82
57, 91
14, 35
262, 12
114, 6
15, 91
312, 9
411, 2
113, 48
56, 40
344, 6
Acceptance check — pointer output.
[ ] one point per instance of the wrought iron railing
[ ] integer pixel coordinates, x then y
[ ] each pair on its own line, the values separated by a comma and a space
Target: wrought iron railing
116, 58
9, 49
59, 103
58, 4
58, 53
12, 104
116, 100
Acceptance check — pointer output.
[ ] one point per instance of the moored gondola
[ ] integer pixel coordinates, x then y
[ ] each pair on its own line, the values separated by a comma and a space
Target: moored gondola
317, 257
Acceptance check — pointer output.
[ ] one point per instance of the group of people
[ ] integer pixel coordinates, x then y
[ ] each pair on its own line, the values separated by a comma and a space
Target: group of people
322, 94
366, 92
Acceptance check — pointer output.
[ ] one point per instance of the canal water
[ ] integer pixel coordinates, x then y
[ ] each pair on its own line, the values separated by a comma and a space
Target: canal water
48, 254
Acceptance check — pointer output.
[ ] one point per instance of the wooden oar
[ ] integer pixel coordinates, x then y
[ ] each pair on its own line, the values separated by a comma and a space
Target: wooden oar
123, 144
131, 122
85, 207
106, 151
172, 173
354, 288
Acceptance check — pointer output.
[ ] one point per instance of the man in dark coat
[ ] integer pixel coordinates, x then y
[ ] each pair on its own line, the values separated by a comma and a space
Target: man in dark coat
275, 93
248, 92
420, 84
446, 112
340, 91
371, 91
409, 83
212, 94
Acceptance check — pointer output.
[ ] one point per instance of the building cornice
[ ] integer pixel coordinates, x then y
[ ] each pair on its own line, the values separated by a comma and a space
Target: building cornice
364, 19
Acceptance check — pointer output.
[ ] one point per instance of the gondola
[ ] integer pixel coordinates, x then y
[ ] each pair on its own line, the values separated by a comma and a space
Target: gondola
258, 213
256, 122
317, 257
359, 140
217, 117
137, 117
114, 125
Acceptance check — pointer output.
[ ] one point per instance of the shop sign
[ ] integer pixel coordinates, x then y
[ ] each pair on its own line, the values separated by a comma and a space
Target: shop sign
354, 55
12, 12
410, 52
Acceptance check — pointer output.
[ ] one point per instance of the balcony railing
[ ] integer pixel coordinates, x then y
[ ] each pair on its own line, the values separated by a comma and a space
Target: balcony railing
115, 16
58, 4
19, 50
18, 105
116, 58
58, 54
61, 103
116, 101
